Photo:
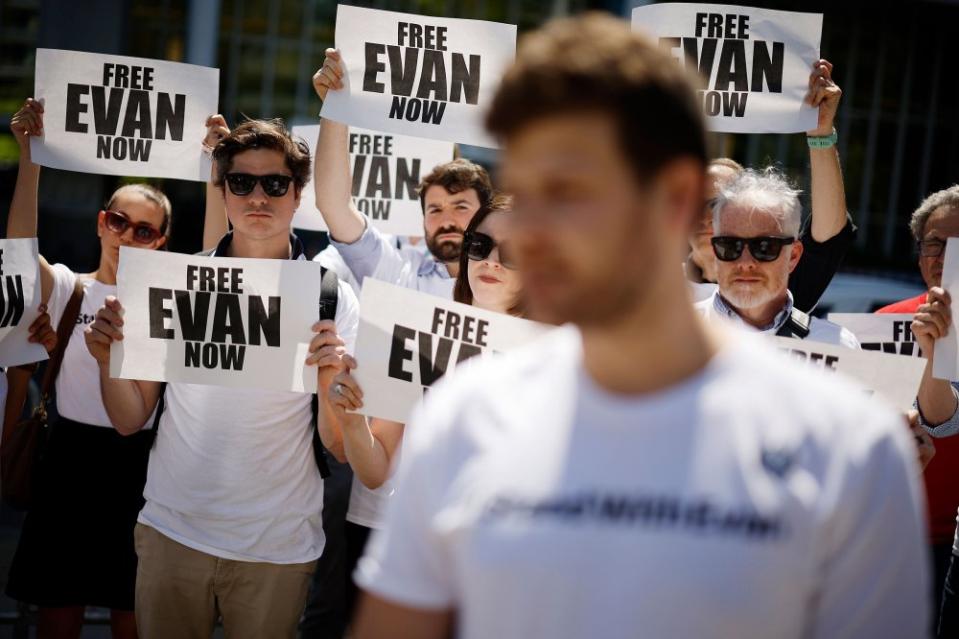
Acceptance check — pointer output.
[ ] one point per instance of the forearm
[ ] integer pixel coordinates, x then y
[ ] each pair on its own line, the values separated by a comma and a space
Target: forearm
22, 221
365, 453
333, 182
124, 400
936, 399
828, 194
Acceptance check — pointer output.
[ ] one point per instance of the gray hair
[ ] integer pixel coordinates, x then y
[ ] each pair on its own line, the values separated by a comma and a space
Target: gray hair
768, 191
948, 198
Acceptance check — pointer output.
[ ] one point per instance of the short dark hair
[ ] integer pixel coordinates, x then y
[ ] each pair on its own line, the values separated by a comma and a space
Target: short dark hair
456, 176
152, 194
594, 62
499, 203
264, 134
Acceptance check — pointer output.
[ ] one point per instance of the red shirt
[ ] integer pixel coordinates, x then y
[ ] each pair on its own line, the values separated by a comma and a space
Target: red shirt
942, 489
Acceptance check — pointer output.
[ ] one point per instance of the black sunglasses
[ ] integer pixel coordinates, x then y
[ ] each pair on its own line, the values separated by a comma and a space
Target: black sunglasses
244, 183
932, 247
480, 245
765, 249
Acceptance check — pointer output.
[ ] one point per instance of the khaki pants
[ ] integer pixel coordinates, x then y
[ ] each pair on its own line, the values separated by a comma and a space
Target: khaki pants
181, 591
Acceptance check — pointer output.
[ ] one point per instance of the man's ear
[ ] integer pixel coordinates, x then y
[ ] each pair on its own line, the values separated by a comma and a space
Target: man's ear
681, 185
796, 250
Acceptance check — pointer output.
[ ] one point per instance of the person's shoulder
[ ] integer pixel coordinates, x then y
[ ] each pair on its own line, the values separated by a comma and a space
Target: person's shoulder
904, 306
833, 411
499, 381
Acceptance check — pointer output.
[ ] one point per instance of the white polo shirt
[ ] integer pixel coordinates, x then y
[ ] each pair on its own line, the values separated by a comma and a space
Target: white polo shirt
754, 499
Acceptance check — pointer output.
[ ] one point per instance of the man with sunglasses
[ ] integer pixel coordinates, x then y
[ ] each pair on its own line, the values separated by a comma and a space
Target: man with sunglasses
450, 195
756, 243
232, 524
931, 225
829, 231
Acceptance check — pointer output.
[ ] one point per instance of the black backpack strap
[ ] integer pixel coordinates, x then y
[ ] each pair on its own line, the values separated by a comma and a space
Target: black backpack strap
329, 298
796, 326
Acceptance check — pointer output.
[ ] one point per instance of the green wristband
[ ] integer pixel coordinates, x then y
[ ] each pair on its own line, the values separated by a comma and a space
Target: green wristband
822, 141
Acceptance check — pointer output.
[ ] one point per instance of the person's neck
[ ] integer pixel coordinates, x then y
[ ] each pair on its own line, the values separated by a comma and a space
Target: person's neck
761, 316
277, 247
106, 273
654, 347
453, 268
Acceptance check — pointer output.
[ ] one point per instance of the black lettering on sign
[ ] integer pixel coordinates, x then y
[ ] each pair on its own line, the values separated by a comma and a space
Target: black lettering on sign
828, 362
453, 338
1, 261
379, 176
423, 74
732, 78
902, 331
147, 114
218, 340
11, 300
894, 348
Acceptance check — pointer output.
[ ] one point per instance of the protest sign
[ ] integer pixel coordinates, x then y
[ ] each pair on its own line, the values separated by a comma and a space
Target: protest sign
884, 332
407, 340
416, 75
755, 62
221, 321
386, 170
945, 362
123, 116
20, 298
895, 378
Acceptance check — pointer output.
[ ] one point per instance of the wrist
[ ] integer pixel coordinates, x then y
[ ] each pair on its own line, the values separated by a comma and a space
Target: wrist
819, 139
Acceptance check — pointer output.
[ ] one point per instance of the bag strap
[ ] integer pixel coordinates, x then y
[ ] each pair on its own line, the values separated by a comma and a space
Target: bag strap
64, 331
329, 298
796, 326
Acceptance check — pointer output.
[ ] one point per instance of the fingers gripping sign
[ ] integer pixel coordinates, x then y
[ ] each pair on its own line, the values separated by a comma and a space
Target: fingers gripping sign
330, 75
932, 319
105, 329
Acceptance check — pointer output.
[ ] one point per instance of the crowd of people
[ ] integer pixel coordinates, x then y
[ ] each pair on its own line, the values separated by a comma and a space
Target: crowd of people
651, 467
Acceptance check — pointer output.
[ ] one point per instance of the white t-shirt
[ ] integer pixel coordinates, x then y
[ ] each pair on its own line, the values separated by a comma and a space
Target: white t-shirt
820, 330
78, 384
368, 505
754, 499
232, 472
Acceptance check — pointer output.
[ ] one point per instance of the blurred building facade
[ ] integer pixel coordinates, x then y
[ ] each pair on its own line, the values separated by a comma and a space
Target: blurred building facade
898, 130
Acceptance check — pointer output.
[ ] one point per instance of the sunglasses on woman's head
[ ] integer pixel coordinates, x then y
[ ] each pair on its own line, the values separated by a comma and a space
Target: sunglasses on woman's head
478, 246
765, 249
118, 222
244, 183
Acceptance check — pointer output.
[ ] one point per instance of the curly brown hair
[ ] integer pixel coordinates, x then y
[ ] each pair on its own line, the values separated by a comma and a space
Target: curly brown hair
456, 176
264, 134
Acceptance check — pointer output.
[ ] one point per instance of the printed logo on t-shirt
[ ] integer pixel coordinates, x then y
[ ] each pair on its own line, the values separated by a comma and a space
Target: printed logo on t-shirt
778, 462
698, 515
83, 318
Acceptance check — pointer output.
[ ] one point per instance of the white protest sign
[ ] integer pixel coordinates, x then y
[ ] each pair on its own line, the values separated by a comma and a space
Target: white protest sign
417, 75
221, 321
884, 332
755, 62
407, 340
945, 362
895, 378
386, 170
19, 301
123, 116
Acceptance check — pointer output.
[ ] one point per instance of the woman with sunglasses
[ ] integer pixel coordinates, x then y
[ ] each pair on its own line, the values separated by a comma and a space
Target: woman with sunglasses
76, 544
487, 279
